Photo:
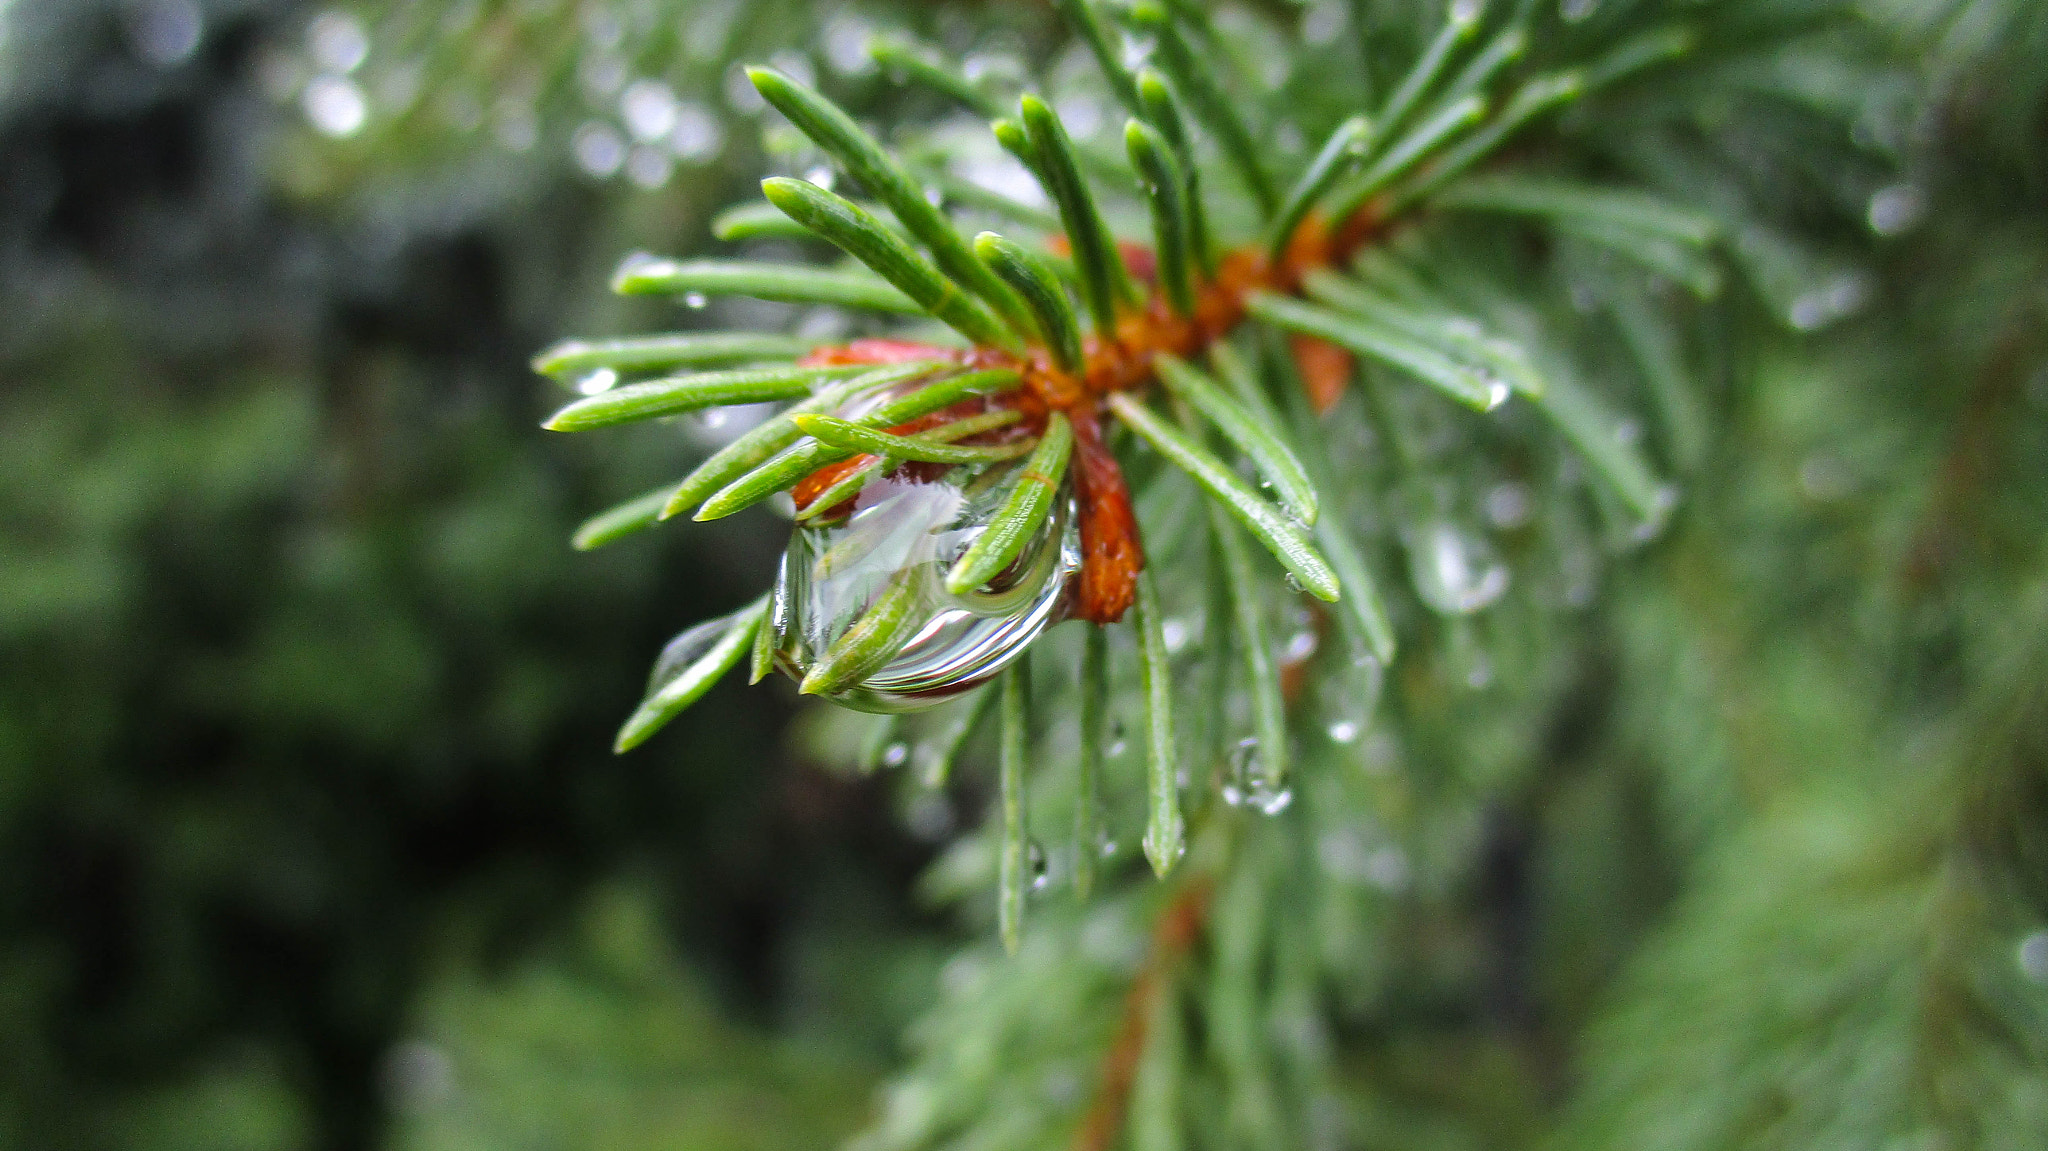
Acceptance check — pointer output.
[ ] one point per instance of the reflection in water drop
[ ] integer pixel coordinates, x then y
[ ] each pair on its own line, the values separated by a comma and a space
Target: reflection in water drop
1454, 570
902, 533
682, 651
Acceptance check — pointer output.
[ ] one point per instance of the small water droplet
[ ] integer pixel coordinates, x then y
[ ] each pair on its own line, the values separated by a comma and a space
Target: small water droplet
1300, 646
1454, 570
1663, 504
1895, 209
822, 176
1509, 505
1175, 632
895, 754
1343, 731
1387, 869
1037, 866
1497, 392
2033, 956
695, 300
1105, 844
1118, 744
601, 380
1245, 782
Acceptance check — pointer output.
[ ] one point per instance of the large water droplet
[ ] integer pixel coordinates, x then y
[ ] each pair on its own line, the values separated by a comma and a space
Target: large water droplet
1455, 571
904, 534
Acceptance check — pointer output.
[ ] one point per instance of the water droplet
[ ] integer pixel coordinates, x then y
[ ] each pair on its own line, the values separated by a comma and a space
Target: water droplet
695, 300
1270, 801
1497, 392
1509, 505
1105, 844
648, 108
335, 106
1300, 646
1664, 503
902, 537
1454, 570
1037, 866
1246, 784
598, 149
601, 380
1322, 24
1117, 742
821, 176
1823, 304
1175, 632
697, 134
337, 43
165, 33
895, 754
2033, 956
1346, 697
1895, 209
1387, 869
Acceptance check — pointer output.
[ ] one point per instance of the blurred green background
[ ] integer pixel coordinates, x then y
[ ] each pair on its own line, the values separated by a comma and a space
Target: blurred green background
309, 831
310, 836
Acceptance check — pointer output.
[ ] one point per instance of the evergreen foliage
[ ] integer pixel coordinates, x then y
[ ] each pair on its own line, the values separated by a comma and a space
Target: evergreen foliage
1585, 688
1552, 217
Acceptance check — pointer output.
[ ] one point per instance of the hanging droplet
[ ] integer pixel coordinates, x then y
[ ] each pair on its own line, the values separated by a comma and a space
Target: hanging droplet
1247, 783
1117, 743
1299, 646
1455, 571
1347, 696
901, 538
1037, 866
601, 380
